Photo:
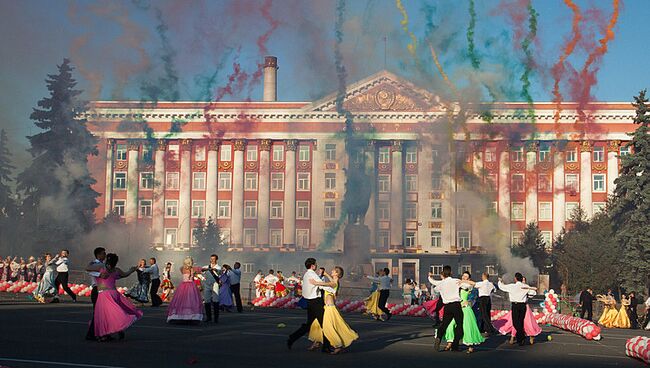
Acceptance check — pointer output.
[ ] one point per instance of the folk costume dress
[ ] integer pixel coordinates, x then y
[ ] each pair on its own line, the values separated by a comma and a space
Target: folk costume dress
337, 331
471, 333
113, 311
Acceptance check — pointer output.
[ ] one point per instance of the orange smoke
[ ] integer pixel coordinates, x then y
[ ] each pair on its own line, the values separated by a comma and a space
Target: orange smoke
451, 86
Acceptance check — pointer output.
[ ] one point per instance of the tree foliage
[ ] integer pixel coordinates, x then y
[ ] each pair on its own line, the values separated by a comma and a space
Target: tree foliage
207, 234
532, 246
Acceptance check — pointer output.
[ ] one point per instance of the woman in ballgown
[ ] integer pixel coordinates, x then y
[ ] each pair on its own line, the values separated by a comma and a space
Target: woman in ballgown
372, 302
140, 291
622, 319
471, 332
609, 312
531, 327
187, 304
337, 331
167, 286
113, 312
31, 270
46, 287
225, 293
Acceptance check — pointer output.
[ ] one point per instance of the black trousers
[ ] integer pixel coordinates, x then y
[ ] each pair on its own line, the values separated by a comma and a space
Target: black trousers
485, 306
587, 309
452, 311
634, 318
93, 298
235, 288
518, 316
62, 279
383, 298
315, 311
153, 293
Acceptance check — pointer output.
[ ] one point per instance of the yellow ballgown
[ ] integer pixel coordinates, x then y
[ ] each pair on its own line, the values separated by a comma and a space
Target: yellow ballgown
622, 320
609, 313
372, 304
337, 331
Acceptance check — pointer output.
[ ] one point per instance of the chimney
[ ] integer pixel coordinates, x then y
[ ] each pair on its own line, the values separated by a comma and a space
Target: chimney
270, 78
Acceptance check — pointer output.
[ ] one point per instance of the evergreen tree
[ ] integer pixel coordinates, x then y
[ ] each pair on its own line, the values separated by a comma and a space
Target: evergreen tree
59, 200
532, 246
207, 235
8, 218
630, 208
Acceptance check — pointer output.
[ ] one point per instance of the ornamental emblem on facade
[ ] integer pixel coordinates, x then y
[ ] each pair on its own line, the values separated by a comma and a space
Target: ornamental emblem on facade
304, 166
239, 145
291, 144
265, 145
385, 99
120, 165
225, 165
251, 166
199, 166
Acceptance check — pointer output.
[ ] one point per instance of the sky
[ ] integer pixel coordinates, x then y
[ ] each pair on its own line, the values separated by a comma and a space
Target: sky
212, 50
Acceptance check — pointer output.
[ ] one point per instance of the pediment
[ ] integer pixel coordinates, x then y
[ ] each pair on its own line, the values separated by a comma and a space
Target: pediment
383, 91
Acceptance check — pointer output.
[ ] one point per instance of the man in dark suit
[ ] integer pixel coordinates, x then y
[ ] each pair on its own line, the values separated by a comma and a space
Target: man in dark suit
586, 303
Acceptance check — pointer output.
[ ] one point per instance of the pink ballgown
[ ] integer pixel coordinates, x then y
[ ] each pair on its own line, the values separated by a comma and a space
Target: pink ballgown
113, 312
186, 304
505, 327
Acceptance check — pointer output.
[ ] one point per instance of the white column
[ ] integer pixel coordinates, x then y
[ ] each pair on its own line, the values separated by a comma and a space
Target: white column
424, 201
263, 197
504, 193
585, 178
158, 209
108, 189
448, 172
477, 167
211, 182
237, 218
531, 183
612, 166
317, 193
132, 183
185, 197
396, 197
559, 199
289, 231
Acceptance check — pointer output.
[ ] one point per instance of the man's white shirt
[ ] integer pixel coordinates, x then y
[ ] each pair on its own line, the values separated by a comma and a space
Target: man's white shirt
310, 291
449, 290
517, 292
485, 288
62, 264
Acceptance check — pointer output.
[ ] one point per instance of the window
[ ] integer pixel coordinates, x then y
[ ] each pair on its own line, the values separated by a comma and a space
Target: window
302, 210
544, 183
147, 155
383, 183
518, 154
409, 239
120, 152
119, 206
544, 152
518, 184
277, 181
598, 207
172, 181
461, 212
491, 183
303, 153
572, 183
492, 209
599, 182
436, 182
226, 153
199, 153
120, 180
145, 208
436, 210
436, 239
411, 211
599, 154
251, 153
383, 211
570, 208
248, 267
330, 210
464, 240
518, 211
303, 181
170, 237
545, 210
198, 209
250, 180
436, 270
466, 268
173, 151
515, 238
571, 156
547, 238
250, 209
171, 208
225, 180
330, 152
411, 183
250, 237
278, 153
276, 209
625, 150
384, 155
302, 238
146, 180
383, 238
491, 270
223, 209
198, 181
276, 237
490, 154
411, 155
330, 181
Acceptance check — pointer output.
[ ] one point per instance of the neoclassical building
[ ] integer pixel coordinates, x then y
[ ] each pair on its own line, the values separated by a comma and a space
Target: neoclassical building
273, 173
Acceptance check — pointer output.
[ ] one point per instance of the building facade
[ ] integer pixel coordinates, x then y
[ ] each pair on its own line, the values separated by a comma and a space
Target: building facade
272, 174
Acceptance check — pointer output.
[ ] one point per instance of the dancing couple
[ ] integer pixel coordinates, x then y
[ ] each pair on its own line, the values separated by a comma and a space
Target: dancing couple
327, 329
523, 321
